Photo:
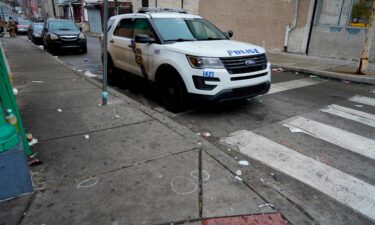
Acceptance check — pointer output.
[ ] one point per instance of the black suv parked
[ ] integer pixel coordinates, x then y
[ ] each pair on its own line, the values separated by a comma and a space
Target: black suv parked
63, 34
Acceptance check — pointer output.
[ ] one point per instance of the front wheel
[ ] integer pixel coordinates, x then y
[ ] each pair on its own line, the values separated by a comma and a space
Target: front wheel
111, 69
84, 50
173, 94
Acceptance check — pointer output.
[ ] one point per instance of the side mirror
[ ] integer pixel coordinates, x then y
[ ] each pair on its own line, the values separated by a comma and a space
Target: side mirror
45, 29
230, 33
144, 38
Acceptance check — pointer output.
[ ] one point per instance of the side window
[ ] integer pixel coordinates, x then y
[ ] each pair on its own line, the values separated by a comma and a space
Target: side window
203, 30
141, 26
123, 28
110, 23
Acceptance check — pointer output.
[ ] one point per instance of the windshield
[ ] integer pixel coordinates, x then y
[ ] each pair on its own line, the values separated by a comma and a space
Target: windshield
62, 25
182, 29
38, 27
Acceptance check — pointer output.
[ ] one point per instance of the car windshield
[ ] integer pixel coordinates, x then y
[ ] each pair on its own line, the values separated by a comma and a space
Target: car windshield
38, 27
62, 25
23, 22
183, 29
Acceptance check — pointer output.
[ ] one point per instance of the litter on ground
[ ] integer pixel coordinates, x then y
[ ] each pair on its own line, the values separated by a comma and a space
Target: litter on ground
37, 81
89, 74
238, 172
33, 142
15, 91
206, 134
237, 178
59, 110
87, 136
244, 162
29, 136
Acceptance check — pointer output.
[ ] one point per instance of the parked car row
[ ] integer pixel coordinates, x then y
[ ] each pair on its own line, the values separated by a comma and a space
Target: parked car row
57, 34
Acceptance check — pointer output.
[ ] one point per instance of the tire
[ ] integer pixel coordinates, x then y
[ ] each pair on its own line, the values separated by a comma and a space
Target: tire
173, 93
84, 50
111, 70
50, 50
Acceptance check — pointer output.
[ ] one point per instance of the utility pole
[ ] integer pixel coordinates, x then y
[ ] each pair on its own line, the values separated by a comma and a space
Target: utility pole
363, 62
105, 53
53, 8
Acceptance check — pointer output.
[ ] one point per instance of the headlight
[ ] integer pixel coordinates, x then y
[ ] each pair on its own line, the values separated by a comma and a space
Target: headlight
81, 36
205, 62
53, 36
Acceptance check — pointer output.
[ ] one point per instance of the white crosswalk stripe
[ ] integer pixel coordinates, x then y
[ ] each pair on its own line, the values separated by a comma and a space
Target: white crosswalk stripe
346, 189
345, 139
351, 114
289, 85
363, 100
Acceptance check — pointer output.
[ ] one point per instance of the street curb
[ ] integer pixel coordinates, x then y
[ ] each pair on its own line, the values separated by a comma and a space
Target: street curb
326, 74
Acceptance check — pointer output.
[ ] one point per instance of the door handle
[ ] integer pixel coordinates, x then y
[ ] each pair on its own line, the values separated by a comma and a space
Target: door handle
112, 41
130, 46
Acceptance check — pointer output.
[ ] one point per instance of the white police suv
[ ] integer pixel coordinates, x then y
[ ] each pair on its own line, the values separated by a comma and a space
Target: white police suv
186, 56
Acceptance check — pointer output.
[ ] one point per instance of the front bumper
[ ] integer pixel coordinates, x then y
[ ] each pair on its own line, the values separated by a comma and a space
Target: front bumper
233, 94
60, 44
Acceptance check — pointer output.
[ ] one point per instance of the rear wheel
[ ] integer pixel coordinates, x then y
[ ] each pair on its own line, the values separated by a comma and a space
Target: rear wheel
173, 93
51, 50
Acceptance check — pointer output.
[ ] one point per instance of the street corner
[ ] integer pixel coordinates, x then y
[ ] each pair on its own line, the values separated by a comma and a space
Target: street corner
234, 197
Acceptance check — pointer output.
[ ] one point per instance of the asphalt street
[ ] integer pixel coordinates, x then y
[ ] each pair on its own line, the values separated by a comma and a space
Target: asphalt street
309, 140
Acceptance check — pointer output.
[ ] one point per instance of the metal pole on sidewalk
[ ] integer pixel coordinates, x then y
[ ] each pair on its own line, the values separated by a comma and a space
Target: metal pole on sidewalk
363, 62
116, 7
105, 53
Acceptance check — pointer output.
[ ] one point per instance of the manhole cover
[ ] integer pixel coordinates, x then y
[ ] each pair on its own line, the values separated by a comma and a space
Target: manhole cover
264, 219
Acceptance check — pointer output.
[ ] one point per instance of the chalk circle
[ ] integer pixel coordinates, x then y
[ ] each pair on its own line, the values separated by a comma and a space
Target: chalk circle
183, 186
90, 182
205, 175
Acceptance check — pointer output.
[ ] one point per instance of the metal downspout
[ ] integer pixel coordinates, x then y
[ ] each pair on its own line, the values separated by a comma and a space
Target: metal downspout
289, 28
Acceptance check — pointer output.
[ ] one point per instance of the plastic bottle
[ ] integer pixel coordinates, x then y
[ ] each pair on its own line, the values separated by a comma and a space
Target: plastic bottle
12, 119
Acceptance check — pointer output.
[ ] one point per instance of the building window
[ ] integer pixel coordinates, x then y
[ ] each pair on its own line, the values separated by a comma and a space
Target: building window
361, 13
144, 3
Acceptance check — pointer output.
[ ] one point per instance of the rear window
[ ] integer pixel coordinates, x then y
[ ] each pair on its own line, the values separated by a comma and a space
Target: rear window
24, 22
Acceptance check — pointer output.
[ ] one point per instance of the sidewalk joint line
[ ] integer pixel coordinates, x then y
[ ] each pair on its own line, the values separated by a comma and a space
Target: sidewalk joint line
132, 164
200, 165
96, 131
20, 95
27, 207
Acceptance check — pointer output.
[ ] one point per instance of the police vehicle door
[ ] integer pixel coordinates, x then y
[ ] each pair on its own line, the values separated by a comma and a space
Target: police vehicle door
142, 53
119, 43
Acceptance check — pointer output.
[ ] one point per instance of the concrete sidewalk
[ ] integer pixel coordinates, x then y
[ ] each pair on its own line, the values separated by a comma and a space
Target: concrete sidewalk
324, 67
118, 164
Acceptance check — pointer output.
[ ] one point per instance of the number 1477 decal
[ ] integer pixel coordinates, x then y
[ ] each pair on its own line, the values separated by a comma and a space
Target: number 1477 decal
208, 74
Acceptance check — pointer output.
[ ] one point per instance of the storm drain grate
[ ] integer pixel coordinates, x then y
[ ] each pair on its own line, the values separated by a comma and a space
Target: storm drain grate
264, 219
